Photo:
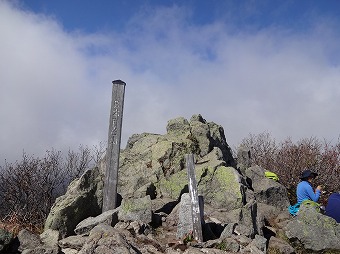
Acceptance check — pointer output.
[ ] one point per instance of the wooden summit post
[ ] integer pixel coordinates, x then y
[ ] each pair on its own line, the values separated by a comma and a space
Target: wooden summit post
113, 146
195, 205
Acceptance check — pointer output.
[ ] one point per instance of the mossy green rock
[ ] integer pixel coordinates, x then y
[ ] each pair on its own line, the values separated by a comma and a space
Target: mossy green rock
317, 232
83, 199
220, 186
152, 159
136, 210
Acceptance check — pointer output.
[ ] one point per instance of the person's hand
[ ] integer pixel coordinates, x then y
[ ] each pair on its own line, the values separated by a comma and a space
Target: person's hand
319, 188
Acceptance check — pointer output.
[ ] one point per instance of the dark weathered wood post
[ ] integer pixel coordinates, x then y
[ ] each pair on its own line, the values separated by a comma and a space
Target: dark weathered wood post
195, 206
113, 146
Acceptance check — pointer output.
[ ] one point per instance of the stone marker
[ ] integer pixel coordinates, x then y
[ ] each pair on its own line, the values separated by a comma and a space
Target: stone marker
195, 207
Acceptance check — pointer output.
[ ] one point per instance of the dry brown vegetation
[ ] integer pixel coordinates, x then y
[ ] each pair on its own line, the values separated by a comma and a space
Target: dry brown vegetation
28, 188
288, 159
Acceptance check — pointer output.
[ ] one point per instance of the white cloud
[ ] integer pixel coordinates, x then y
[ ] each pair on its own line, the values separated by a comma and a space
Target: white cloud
56, 85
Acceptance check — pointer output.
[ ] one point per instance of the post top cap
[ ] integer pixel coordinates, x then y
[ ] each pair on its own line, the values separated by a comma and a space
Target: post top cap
118, 81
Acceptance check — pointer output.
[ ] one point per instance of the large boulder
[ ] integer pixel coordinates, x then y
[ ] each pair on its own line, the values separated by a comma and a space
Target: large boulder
267, 191
151, 158
136, 210
317, 232
83, 199
221, 186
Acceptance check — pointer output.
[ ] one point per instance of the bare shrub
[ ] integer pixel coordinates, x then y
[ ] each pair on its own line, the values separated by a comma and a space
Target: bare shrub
262, 148
289, 159
28, 188
98, 152
75, 164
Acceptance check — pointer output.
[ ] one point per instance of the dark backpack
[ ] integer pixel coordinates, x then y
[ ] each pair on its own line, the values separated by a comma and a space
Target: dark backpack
333, 207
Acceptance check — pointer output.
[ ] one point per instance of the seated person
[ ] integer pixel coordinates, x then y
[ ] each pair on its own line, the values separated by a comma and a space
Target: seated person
304, 190
333, 206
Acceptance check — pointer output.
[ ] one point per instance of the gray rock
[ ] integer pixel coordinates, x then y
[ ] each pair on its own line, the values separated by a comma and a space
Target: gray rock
82, 200
270, 212
226, 244
250, 223
138, 209
152, 180
105, 239
69, 251
28, 240
179, 124
201, 131
277, 245
260, 242
46, 243
109, 217
219, 140
242, 240
251, 248
202, 251
266, 190
50, 238
314, 230
74, 242
151, 159
228, 230
41, 250
221, 187
32, 244
185, 226
243, 159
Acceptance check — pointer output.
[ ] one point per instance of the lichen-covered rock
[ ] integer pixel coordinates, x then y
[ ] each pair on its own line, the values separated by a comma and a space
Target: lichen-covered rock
50, 238
250, 221
178, 125
222, 188
83, 199
105, 239
136, 210
185, 225
317, 232
28, 240
277, 245
151, 159
239, 202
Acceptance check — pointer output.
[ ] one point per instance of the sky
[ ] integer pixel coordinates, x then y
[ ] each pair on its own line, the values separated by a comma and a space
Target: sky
249, 66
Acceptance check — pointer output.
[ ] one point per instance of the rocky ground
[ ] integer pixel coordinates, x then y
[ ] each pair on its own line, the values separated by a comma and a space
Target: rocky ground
242, 210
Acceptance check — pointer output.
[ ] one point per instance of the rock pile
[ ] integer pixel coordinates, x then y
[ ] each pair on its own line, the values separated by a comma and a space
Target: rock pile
244, 212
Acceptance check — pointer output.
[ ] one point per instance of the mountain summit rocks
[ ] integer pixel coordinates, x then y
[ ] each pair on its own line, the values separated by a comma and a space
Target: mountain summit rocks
244, 212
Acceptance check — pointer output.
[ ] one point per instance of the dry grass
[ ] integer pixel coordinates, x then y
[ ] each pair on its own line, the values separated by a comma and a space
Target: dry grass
14, 225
